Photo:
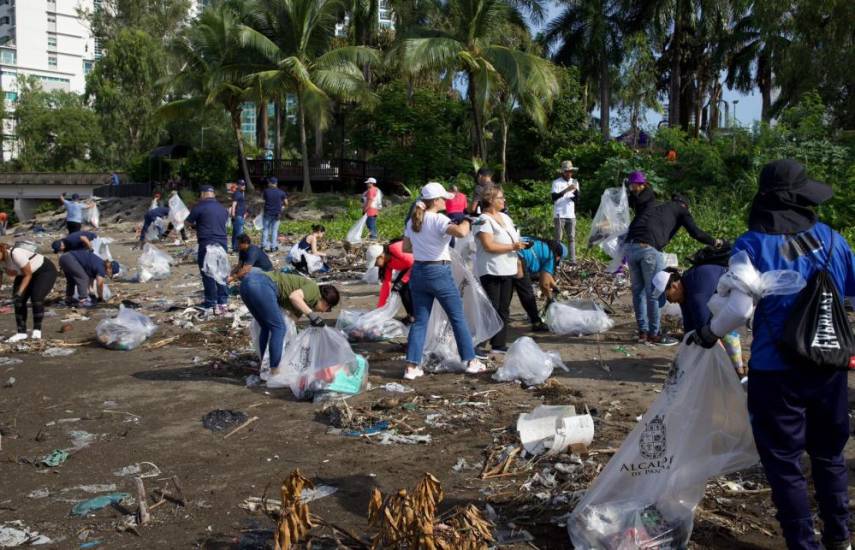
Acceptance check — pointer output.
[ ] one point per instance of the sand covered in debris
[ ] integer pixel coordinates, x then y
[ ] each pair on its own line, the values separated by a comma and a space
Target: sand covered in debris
118, 413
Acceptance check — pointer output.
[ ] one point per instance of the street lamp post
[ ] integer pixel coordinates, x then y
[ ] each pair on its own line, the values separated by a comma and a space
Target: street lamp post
735, 120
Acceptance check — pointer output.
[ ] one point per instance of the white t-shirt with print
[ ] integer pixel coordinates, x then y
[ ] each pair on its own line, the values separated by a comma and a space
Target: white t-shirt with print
431, 243
20, 257
488, 263
564, 207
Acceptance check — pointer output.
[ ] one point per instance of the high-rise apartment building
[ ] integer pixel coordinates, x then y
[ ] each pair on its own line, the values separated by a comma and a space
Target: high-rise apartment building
47, 40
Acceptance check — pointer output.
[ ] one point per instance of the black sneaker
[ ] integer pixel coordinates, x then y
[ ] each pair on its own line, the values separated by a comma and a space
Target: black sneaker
539, 327
663, 340
480, 353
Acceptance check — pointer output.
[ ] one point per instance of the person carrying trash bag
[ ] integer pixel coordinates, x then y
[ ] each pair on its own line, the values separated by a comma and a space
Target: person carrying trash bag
34, 276
250, 257
79, 240
390, 258
151, 216
372, 202
208, 219
81, 268
540, 259
427, 236
265, 293
802, 348
305, 256
654, 225
74, 212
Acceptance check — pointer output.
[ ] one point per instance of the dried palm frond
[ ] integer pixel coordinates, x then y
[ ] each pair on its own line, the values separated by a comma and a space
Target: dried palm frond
294, 520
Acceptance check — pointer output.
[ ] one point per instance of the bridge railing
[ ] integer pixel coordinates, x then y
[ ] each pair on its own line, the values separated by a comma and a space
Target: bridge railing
124, 190
322, 170
52, 178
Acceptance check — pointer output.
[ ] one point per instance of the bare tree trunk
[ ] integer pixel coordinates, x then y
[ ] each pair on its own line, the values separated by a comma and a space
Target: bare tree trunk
506, 126
765, 85
319, 142
263, 125
698, 98
241, 155
304, 147
675, 84
605, 106
477, 119
277, 154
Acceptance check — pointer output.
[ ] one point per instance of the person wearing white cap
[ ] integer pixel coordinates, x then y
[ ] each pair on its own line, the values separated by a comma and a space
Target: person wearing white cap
565, 193
390, 259
428, 235
372, 202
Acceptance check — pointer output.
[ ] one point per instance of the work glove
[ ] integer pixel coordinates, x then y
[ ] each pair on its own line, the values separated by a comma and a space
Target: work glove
316, 320
397, 286
703, 337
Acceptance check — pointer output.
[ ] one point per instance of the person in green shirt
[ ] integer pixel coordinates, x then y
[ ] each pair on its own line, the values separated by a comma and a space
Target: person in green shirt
264, 293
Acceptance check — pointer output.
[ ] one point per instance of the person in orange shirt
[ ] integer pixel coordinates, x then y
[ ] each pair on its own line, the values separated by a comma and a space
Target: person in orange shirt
4, 221
372, 201
389, 258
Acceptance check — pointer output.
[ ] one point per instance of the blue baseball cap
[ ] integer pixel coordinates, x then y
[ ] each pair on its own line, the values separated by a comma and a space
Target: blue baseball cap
241, 183
272, 181
56, 246
116, 267
75, 196
206, 189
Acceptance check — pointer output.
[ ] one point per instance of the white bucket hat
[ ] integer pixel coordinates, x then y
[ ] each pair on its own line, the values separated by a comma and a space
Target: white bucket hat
434, 190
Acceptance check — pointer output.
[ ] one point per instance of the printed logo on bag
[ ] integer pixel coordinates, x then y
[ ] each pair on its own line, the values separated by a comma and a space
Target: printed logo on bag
825, 337
653, 446
672, 381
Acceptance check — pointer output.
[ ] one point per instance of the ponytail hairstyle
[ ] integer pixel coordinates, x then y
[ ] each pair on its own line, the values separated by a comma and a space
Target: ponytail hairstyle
418, 217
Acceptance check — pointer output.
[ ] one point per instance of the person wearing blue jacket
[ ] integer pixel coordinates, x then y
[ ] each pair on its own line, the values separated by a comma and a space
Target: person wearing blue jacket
79, 240
208, 218
274, 200
539, 260
795, 407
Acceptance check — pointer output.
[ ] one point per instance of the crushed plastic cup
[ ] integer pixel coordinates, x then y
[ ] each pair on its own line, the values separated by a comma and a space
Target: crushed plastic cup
552, 429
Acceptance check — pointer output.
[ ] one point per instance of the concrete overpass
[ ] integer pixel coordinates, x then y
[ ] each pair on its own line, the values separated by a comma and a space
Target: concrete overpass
28, 188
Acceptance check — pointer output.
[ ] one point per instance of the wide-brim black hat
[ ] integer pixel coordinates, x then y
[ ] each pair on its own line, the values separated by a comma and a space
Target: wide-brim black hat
789, 176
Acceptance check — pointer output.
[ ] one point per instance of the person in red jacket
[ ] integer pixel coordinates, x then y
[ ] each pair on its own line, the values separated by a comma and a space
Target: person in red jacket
390, 258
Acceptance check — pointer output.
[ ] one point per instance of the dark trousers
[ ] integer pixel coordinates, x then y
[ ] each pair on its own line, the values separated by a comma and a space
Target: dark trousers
76, 277
500, 289
215, 294
237, 231
798, 411
169, 229
40, 286
73, 226
525, 292
407, 299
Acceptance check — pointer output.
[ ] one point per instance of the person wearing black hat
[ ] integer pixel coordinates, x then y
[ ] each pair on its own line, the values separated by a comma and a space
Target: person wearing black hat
237, 213
795, 406
208, 219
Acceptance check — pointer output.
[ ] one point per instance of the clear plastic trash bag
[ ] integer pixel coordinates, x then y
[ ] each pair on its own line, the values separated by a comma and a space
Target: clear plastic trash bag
612, 218
92, 216
313, 261
577, 318
156, 229
312, 361
696, 429
742, 275
255, 334
216, 264
466, 248
371, 275
154, 263
125, 331
375, 325
354, 234
440, 351
614, 249
101, 248
178, 212
525, 361
258, 222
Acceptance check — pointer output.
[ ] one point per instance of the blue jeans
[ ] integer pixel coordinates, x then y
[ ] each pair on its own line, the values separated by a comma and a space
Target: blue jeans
214, 293
270, 233
258, 292
429, 281
237, 230
371, 222
644, 263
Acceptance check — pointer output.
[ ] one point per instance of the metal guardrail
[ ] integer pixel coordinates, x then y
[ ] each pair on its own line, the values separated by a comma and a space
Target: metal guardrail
54, 178
124, 190
291, 170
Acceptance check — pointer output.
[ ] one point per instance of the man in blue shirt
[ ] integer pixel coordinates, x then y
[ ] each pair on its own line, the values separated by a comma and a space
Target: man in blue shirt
151, 216
249, 256
795, 407
79, 240
238, 212
208, 218
73, 212
539, 260
274, 200
81, 268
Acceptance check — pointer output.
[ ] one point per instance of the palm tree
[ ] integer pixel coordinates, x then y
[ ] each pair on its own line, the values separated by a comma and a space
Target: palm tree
212, 72
294, 38
589, 34
468, 43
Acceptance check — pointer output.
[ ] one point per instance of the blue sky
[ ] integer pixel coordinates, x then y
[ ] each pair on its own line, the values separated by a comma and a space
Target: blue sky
747, 111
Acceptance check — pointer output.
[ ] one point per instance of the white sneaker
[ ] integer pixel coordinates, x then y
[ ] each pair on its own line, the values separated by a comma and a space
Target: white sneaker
17, 338
37, 335
413, 372
475, 366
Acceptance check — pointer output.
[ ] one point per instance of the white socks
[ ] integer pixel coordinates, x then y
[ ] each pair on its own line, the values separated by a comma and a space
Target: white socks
17, 338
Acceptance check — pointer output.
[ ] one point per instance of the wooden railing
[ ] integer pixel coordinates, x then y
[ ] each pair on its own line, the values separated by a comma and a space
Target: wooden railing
291, 170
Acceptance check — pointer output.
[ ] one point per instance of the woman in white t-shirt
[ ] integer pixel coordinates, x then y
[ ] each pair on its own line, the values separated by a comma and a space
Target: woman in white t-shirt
34, 278
427, 236
496, 244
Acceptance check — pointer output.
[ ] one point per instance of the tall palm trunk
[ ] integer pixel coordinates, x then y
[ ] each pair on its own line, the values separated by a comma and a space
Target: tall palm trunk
675, 84
478, 122
764, 82
235, 116
506, 127
262, 126
304, 146
277, 154
605, 90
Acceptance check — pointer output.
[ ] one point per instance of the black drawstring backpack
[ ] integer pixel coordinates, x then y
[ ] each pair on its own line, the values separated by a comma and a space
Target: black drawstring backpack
817, 332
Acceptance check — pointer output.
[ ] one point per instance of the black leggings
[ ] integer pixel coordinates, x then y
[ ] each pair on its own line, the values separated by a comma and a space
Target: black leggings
500, 290
40, 286
525, 292
407, 299
169, 229
73, 226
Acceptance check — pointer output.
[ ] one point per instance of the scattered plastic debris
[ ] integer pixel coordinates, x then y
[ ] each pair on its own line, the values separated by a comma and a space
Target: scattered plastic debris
58, 352
44, 492
7, 361
87, 507
552, 429
395, 387
54, 459
10, 382
15, 533
220, 420
137, 470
